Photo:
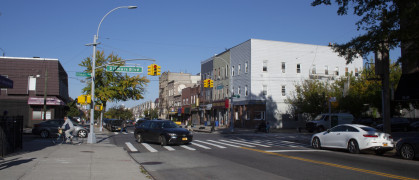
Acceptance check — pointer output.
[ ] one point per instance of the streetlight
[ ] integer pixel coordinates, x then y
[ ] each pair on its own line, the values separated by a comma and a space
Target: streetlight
92, 138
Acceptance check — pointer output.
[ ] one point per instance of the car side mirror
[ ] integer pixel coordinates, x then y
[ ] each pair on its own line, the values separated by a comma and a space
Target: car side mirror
328, 130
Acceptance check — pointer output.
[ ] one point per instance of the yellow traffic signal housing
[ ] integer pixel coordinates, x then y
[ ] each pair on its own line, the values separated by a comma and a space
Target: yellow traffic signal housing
81, 99
88, 99
211, 83
158, 70
150, 70
205, 83
155, 69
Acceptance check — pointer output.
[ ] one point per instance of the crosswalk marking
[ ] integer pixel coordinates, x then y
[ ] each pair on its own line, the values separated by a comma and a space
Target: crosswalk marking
169, 148
222, 147
131, 147
188, 148
252, 143
148, 147
224, 143
199, 145
242, 144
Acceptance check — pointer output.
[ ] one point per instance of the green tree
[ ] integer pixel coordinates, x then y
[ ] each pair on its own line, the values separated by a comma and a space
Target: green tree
113, 86
396, 21
119, 112
73, 110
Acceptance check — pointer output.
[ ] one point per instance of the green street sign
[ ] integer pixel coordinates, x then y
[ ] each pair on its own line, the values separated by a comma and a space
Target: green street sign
124, 69
85, 74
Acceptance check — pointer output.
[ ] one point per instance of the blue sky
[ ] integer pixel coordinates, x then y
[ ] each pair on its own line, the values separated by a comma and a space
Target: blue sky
179, 34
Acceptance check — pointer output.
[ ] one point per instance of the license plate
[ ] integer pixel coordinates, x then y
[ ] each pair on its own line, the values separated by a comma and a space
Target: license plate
384, 144
184, 139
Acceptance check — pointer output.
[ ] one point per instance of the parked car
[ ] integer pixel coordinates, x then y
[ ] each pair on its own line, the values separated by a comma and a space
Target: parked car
321, 122
114, 125
408, 148
397, 124
163, 132
49, 128
354, 138
414, 126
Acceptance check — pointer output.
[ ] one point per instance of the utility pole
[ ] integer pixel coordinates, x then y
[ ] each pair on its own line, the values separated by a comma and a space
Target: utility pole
45, 92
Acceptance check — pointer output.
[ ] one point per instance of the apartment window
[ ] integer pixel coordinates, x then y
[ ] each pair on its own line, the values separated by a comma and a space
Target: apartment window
31, 83
283, 90
238, 91
232, 71
219, 72
337, 71
356, 72
246, 92
238, 69
6, 76
265, 90
326, 70
259, 115
265, 65
298, 68
313, 69
246, 67
226, 73
283, 67
346, 71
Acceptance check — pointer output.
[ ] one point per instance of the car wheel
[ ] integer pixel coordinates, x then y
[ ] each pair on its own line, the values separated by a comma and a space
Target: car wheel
163, 141
316, 143
139, 138
82, 134
353, 147
407, 151
44, 134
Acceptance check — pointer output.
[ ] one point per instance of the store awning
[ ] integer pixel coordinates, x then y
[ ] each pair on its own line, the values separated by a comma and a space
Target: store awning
50, 101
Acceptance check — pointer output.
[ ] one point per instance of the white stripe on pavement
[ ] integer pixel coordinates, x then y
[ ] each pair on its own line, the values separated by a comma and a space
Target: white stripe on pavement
199, 145
256, 144
116, 133
210, 144
188, 148
224, 143
169, 148
294, 150
148, 147
246, 145
131, 147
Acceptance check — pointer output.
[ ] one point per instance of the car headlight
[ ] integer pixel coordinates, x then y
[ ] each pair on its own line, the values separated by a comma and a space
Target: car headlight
172, 134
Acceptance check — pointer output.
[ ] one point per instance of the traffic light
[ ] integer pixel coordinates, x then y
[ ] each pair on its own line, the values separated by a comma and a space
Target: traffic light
158, 70
205, 83
150, 70
211, 83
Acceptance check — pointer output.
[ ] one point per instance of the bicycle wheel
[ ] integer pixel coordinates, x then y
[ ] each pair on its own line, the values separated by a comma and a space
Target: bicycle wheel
59, 140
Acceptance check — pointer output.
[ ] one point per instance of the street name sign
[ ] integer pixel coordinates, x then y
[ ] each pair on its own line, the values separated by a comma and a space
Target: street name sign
130, 69
85, 74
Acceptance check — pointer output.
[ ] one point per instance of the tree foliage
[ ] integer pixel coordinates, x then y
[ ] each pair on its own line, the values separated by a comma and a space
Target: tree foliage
395, 21
119, 112
311, 97
113, 86
151, 114
73, 110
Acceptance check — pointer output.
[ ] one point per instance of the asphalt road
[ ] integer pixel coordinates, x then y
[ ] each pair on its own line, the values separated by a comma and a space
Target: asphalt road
261, 156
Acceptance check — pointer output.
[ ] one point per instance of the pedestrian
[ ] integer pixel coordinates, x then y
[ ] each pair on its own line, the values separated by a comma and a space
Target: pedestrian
69, 128
124, 126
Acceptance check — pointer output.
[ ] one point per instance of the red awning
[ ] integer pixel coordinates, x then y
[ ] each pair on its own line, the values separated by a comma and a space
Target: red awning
50, 101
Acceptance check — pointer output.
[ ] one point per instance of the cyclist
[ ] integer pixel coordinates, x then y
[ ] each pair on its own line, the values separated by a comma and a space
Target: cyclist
69, 128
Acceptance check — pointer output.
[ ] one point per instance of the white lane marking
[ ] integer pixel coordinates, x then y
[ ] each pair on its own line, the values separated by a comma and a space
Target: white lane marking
148, 147
131, 147
116, 133
294, 150
241, 144
188, 148
223, 143
199, 145
210, 144
169, 148
124, 133
256, 144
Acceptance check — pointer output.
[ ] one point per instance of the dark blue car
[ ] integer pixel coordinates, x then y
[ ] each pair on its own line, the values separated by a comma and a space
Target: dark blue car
162, 131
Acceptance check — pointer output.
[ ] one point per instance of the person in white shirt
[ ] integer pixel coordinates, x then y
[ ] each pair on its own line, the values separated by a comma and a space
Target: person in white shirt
68, 127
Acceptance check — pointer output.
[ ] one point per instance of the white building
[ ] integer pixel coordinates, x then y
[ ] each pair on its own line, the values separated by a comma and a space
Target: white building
265, 72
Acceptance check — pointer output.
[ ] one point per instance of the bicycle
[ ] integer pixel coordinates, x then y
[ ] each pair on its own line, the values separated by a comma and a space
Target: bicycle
61, 139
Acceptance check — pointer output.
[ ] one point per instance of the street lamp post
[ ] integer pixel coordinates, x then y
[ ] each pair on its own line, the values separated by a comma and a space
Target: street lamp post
92, 137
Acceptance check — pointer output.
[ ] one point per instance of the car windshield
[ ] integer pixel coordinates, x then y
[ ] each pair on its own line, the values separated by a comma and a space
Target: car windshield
369, 129
319, 117
169, 125
116, 122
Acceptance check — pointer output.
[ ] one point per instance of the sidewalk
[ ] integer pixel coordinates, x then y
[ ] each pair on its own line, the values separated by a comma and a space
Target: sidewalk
226, 130
41, 159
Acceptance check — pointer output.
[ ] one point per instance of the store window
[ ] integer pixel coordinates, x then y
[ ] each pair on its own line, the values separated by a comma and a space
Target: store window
259, 115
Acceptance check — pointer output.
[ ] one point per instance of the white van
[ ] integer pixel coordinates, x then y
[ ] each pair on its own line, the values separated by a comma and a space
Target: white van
322, 122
